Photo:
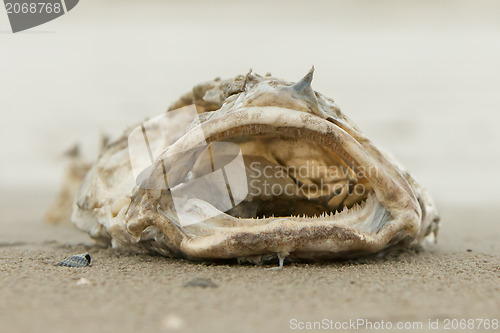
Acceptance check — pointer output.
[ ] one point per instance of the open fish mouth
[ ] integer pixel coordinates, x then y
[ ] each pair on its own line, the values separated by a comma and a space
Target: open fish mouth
276, 170
306, 178
296, 173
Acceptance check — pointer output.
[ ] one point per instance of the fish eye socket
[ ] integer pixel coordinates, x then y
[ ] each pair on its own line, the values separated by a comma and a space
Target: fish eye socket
87, 256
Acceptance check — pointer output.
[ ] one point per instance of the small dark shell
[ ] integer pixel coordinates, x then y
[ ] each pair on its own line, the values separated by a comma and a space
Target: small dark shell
80, 260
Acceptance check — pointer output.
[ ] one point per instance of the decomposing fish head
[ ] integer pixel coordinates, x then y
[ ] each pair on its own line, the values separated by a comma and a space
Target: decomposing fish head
249, 168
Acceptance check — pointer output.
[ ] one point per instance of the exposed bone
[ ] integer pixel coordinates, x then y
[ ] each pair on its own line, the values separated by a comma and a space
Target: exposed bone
277, 124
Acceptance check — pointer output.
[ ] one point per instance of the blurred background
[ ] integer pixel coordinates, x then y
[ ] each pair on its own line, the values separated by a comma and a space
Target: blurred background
420, 78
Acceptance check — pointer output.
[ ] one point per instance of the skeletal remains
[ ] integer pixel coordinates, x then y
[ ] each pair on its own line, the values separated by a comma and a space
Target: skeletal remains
345, 196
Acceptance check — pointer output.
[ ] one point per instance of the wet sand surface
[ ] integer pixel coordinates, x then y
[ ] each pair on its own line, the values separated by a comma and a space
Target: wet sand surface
420, 78
131, 293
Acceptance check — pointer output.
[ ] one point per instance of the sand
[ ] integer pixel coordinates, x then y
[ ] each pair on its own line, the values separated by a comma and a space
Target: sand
456, 278
421, 79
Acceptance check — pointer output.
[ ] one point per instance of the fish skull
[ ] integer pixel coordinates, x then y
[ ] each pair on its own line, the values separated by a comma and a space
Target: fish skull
289, 136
